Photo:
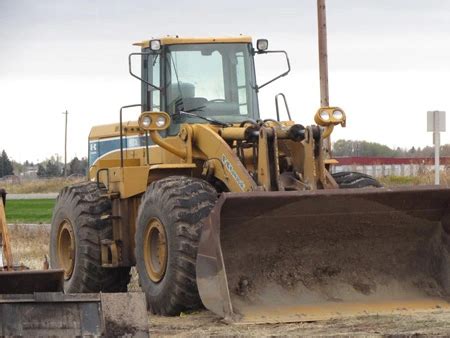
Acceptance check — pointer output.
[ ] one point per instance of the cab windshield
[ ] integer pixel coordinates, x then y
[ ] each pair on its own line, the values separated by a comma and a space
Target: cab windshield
210, 80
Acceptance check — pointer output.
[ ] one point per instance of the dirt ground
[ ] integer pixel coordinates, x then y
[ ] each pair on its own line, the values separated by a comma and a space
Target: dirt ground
204, 323
30, 244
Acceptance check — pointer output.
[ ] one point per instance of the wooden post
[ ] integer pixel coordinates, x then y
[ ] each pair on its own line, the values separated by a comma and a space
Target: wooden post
323, 61
4, 235
65, 145
323, 53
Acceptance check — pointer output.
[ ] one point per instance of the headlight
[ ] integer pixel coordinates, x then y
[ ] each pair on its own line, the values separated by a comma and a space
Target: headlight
155, 44
338, 115
324, 115
154, 120
160, 121
146, 121
330, 116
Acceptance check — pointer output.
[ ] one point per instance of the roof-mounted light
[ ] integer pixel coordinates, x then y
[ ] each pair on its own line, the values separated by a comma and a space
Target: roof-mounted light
262, 45
155, 44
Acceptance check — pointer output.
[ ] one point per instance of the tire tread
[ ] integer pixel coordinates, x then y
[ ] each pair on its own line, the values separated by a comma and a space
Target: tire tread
352, 179
90, 208
188, 200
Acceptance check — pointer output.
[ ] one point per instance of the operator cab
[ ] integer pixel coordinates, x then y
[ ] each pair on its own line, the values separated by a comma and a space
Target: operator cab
212, 77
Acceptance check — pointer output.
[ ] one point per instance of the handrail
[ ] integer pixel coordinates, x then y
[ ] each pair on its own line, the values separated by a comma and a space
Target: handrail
285, 104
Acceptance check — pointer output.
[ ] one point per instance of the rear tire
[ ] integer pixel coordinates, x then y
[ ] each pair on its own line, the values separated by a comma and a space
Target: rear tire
81, 219
167, 235
351, 179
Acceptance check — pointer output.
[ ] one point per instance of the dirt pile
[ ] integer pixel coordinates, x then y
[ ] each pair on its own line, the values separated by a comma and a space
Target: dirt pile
382, 255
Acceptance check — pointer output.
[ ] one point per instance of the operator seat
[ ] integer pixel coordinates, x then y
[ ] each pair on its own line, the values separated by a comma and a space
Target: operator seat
181, 96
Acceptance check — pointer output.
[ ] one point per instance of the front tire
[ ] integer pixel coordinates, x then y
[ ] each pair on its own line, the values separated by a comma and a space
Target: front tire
167, 236
81, 220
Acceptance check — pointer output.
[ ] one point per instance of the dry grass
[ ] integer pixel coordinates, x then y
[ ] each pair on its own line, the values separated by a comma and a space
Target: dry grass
421, 179
30, 244
44, 185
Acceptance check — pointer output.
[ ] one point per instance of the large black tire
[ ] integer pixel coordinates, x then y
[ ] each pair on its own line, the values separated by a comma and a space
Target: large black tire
169, 218
350, 179
82, 219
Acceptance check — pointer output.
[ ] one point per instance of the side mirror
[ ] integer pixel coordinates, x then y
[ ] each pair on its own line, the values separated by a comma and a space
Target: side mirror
154, 120
130, 68
262, 44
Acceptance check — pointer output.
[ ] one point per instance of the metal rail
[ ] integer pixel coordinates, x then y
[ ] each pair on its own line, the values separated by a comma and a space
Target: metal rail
285, 104
121, 129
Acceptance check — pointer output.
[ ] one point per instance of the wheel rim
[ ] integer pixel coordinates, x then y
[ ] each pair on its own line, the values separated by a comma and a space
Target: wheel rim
155, 250
66, 248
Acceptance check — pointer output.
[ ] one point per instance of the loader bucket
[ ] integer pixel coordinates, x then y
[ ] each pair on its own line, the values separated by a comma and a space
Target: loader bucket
57, 314
31, 281
268, 257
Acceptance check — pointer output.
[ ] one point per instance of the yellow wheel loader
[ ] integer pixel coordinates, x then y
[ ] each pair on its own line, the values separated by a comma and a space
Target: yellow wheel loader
32, 302
215, 206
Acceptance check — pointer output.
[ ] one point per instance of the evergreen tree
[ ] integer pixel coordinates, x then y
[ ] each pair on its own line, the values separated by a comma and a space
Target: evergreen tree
49, 168
363, 148
6, 167
41, 172
52, 168
78, 167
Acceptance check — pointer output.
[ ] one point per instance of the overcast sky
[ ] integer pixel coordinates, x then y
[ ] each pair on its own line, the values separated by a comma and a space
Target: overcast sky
389, 63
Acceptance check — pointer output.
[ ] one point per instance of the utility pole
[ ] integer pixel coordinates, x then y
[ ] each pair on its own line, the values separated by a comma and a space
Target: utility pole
323, 53
323, 60
65, 144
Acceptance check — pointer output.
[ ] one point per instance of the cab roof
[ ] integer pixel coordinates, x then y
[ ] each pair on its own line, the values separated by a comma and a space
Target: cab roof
176, 40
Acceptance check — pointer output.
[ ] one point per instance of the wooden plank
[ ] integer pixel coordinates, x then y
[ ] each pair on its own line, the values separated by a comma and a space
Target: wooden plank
5, 236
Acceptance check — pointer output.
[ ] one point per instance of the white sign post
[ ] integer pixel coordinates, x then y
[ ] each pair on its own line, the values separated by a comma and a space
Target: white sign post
436, 124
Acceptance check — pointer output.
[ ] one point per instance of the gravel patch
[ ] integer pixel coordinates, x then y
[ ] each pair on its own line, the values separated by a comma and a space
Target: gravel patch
51, 195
